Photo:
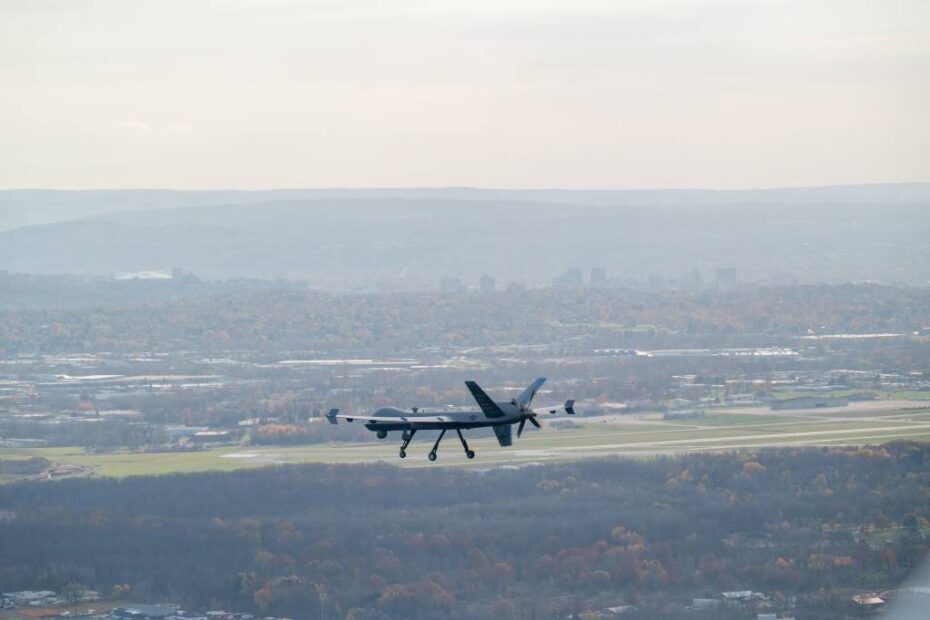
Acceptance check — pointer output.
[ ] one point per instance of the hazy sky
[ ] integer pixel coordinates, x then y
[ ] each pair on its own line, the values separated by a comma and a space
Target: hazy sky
496, 93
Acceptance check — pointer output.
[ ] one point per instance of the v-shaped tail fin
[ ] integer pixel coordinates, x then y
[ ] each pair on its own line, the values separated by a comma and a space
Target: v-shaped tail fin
488, 406
524, 400
504, 434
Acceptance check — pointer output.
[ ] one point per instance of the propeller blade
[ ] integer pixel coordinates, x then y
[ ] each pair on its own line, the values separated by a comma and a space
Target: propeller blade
535, 423
520, 428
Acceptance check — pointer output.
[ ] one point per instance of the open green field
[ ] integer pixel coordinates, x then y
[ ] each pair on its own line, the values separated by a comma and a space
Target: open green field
648, 435
846, 393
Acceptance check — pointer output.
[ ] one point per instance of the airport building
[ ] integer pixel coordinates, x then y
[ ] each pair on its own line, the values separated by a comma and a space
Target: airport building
809, 402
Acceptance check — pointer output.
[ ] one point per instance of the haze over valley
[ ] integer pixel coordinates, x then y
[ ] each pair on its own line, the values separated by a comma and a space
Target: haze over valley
409, 239
497, 310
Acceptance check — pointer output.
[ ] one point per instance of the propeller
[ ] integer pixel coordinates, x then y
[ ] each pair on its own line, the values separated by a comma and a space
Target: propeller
531, 418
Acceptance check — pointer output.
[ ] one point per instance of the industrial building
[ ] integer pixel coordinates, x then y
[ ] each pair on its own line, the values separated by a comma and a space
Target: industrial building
809, 402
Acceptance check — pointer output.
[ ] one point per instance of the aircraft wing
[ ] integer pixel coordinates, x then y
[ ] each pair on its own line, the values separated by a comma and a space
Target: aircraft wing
334, 415
568, 407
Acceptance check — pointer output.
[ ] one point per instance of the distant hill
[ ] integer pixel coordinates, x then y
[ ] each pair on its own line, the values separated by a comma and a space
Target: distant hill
37, 206
409, 239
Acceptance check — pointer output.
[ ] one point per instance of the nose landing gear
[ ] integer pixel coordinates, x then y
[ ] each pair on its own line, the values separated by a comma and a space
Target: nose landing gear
432, 454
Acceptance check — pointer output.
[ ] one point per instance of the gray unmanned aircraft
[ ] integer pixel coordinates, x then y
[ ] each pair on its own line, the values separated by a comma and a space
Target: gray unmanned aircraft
499, 415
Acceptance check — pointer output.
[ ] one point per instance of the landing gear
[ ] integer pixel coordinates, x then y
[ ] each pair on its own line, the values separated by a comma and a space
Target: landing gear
406, 436
469, 453
432, 454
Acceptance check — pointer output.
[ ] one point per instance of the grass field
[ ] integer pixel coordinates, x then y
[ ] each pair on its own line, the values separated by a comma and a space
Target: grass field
612, 435
878, 394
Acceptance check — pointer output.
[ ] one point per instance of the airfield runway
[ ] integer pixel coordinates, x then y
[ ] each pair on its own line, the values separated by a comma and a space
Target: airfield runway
645, 435
627, 435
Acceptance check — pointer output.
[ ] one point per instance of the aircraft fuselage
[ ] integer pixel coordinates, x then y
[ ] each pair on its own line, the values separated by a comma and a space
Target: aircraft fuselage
401, 420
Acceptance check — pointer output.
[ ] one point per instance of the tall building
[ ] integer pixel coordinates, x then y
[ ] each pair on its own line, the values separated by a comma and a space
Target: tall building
488, 285
570, 279
598, 277
449, 286
691, 280
726, 277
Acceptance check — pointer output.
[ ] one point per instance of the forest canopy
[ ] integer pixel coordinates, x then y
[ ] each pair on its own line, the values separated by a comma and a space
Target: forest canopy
815, 524
276, 320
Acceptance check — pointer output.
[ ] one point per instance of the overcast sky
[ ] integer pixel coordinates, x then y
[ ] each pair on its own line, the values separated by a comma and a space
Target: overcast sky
493, 93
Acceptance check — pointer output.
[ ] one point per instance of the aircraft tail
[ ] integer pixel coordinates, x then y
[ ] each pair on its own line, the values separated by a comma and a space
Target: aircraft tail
504, 434
488, 406
524, 400
331, 416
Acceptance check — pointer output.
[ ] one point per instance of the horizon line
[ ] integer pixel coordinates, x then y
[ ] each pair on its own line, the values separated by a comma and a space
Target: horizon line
469, 188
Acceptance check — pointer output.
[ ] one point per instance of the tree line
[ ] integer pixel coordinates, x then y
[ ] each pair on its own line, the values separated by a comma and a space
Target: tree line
275, 320
375, 541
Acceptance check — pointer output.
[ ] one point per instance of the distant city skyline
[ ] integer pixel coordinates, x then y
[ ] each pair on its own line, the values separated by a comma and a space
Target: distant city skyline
510, 93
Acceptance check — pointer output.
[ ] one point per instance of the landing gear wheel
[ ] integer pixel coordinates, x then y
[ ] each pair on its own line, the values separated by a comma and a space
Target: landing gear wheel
432, 456
403, 453
470, 454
